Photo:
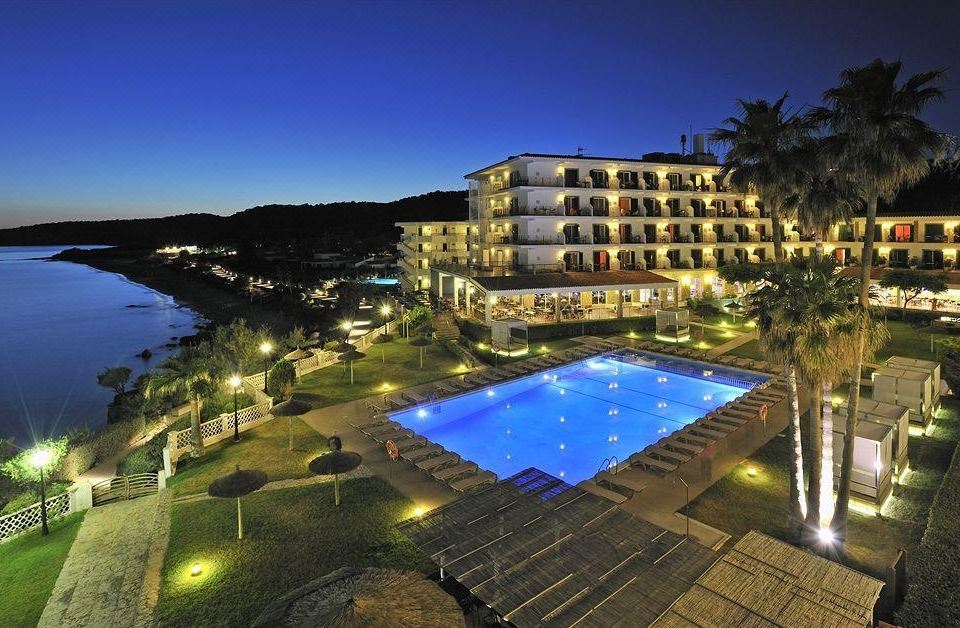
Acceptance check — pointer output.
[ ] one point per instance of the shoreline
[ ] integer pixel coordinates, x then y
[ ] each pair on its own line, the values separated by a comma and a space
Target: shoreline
214, 305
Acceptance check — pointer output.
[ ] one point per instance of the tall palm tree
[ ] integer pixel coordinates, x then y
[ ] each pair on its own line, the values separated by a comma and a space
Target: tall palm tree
759, 146
876, 137
770, 307
192, 372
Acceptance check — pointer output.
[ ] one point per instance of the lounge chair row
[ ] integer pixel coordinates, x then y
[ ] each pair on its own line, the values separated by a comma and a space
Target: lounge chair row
667, 454
447, 467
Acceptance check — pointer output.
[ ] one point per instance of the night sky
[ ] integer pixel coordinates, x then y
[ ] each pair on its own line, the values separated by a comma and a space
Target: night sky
114, 109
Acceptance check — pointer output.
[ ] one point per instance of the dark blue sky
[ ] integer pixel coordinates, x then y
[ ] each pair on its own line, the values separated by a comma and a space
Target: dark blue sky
132, 109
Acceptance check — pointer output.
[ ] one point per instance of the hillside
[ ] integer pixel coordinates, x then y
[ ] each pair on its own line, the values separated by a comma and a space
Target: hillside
346, 225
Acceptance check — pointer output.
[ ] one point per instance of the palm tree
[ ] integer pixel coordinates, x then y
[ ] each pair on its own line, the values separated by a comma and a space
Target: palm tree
193, 372
759, 152
769, 306
875, 136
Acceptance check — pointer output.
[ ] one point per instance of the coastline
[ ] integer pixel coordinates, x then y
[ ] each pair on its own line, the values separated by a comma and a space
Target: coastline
211, 303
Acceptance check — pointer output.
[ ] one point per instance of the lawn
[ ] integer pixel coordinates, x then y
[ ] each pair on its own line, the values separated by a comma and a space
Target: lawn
739, 503
905, 340
291, 536
29, 566
711, 336
537, 347
394, 363
264, 448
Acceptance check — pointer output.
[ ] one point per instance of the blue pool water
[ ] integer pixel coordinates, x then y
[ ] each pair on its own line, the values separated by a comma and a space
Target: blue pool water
568, 420
383, 281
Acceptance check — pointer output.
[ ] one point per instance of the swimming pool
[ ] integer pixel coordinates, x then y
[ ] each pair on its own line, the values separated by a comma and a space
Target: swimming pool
383, 281
566, 421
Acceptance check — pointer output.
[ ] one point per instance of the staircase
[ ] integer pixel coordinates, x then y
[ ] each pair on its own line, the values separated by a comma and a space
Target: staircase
445, 328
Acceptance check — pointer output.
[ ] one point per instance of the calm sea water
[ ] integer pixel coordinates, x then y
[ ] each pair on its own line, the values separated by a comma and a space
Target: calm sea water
60, 323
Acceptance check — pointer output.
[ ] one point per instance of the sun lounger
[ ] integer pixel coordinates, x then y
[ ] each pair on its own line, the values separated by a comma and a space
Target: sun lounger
409, 443
421, 453
514, 369
694, 440
436, 462
651, 463
623, 479
766, 397
671, 456
414, 397
377, 422
374, 408
675, 444
395, 402
394, 436
474, 481
553, 360
719, 426
698, 429
744, 414
599, 491
445, 388
451, 473
386, 426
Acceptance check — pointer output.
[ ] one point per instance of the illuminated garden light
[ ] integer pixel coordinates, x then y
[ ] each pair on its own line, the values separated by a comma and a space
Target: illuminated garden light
195, 570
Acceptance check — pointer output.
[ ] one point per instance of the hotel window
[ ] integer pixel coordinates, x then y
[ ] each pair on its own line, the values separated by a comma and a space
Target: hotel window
674, 205
571, 205
599, 297
651, 180
514, 205
601, 234
902, 233
699, 207
675, 179
629, 206
601, 261
651, 207
600, 207
600, 178
571, 177
697, 181
444, 230
720, 206
628, 179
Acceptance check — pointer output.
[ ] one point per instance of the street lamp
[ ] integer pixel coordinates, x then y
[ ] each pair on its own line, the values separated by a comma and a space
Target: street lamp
39, 459
235, 381
385, 311
346, 326
265, 349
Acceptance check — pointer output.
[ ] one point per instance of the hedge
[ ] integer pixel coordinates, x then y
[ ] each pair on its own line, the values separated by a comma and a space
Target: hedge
149, 457
933, 597
478, 332
97, 446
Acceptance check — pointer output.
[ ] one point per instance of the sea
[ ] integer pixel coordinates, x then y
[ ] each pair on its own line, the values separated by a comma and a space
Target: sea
61, 323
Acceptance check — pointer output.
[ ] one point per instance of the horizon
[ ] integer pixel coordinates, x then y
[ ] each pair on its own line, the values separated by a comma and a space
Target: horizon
129, 111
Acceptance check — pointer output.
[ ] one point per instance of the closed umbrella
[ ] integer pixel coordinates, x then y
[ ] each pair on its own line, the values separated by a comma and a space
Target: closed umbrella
344, 347
235, 486
334, 463
349, 357
290, 409
298, 354
352, 597
421, 341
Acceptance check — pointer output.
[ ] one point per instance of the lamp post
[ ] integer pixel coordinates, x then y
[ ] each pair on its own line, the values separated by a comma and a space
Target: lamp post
265, 349
235, 382
39, 459
385, 312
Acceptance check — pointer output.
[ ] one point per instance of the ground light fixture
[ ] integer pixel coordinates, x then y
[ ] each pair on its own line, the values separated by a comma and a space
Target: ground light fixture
752, 472
346, 325
195, 570
825, 534
235, 382
39, 459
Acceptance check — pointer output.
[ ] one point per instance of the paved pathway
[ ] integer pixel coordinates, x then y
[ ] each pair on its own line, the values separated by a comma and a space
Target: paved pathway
111, 576
732, 344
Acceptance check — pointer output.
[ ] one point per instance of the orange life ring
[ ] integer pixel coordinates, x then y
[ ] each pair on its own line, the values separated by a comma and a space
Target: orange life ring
762, 412
392, 450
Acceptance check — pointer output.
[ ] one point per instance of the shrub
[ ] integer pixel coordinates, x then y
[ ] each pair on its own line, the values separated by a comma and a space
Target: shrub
569, 329
149, 457
32, 496
932, 597
474, 330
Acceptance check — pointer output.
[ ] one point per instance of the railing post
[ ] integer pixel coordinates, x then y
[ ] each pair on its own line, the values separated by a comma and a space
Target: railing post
126, 485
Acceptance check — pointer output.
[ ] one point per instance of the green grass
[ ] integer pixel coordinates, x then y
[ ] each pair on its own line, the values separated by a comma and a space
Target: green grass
394, 363
29, 566
905, 340
739, 503
291, 536
537, 347
263, 448
712, 336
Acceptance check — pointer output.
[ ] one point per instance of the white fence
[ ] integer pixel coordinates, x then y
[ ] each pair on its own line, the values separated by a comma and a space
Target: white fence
22, 520
217, 429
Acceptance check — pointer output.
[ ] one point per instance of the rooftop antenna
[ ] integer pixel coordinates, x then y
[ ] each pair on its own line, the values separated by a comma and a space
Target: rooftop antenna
580, 150
683, 143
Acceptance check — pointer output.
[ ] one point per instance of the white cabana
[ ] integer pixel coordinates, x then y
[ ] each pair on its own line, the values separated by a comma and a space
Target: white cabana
673, 324
908, 388
872, 479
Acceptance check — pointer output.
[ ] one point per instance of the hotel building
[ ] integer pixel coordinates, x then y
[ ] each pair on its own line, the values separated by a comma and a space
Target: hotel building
560, 237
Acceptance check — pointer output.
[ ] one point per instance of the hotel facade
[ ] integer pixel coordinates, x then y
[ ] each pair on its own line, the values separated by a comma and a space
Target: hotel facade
563, 237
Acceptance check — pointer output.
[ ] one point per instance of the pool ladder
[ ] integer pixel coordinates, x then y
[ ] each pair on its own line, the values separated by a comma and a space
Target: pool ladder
612, 461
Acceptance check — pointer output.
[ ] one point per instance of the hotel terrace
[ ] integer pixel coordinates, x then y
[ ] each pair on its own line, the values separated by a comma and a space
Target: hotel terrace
566, 237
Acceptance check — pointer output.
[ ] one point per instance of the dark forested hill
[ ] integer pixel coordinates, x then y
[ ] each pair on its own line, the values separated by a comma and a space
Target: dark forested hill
346, 225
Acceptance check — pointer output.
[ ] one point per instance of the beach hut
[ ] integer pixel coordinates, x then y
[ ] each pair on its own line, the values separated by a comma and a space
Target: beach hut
925, 366
872, 480
897, 417
908, 388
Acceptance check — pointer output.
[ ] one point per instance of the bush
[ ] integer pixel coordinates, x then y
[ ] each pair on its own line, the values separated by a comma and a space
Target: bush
149, 457
90, 448
32, 496
591, 328
474, 330
932, 597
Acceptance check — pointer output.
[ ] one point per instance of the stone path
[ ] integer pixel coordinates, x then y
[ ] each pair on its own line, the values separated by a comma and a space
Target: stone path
732, 344
111, 576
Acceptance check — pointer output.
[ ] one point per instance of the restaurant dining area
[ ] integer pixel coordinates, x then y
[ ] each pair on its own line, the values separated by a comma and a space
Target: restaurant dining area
556, 297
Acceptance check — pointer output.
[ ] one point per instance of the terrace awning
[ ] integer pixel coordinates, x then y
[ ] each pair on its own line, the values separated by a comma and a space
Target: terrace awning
540, 551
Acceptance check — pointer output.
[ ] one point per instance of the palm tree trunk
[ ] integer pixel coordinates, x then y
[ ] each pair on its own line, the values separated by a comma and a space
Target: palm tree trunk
777, 236
816, 468
798, 502
196, 439
826, 456
841, 509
